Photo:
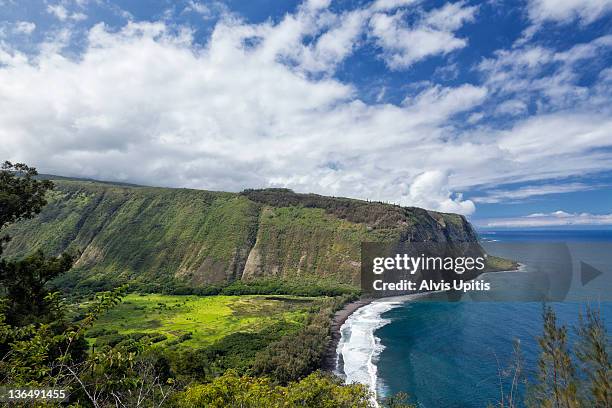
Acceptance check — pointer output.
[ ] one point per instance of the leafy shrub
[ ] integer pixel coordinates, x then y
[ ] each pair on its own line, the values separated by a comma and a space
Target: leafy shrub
231, 390
236, 351
295, 356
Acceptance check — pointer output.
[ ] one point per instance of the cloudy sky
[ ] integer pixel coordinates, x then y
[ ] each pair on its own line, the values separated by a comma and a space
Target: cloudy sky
498, 110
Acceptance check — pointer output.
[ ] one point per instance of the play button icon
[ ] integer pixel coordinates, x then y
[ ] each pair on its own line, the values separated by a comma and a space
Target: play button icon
588, 273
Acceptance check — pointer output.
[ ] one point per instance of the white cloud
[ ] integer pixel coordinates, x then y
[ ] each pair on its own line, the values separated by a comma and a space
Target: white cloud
522, 193
225, 117
58, 11
566, 11
148, 104
63, 14
334, 37
606, 75
198, 7
25, 27
450, 17
511, 107
554, 219
560, 134
430, 190
581, 52
475, 117
433, 34
333, 46
547, 78
448, 101
208, 9
389, 5
313, 39
447, 72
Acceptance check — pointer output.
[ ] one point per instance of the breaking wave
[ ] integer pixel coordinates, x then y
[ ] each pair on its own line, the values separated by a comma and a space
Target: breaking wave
359, 348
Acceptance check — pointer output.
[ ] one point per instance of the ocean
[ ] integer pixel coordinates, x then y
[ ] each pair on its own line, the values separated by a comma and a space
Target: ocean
457, 354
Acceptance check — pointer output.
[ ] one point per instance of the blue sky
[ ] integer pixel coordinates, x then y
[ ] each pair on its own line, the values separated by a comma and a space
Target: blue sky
496, 110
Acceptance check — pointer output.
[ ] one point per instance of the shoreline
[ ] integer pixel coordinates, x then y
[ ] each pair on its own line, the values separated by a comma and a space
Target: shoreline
331, 356
366, 370
330, 359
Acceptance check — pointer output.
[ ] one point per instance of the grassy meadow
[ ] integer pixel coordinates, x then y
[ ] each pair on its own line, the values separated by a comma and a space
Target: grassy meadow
192, 321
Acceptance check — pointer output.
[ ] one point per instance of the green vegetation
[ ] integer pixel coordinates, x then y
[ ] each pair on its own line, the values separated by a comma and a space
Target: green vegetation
233, 391
284, 351
180, 241
23, 282
299, 286
559, 383
148, 236
297, 241
495, 263
294, 357
197, 321
42, 346
565, 379
218, 351
375, 215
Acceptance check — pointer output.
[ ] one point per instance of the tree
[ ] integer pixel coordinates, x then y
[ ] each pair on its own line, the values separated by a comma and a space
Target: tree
39, 345
557, 385
24, 283
592, 350
25, 287
21, 195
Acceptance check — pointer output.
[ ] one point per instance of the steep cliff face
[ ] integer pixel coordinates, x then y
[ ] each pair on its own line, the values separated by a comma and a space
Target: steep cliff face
309, 234
157, 236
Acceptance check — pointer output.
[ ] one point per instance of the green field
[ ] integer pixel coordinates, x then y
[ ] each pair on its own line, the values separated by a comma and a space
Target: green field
196, 321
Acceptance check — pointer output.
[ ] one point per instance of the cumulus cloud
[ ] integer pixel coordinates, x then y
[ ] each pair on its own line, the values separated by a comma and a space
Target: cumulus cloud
562, 13
450, 17
16, 29
430, 190
258, 105
334, 37
448, 101
404, 44
333, 46
198, 7
475, 117
144, 104
565, 11
554, 219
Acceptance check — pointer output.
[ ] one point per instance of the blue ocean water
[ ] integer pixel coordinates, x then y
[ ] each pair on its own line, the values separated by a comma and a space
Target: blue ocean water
454, 354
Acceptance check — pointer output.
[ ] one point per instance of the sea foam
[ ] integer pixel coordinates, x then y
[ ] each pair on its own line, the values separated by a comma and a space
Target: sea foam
359, 348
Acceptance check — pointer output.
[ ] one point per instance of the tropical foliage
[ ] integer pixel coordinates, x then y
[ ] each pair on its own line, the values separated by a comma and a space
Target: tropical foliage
255, 351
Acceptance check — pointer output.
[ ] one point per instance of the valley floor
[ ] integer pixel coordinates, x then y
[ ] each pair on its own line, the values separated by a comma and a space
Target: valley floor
193, 321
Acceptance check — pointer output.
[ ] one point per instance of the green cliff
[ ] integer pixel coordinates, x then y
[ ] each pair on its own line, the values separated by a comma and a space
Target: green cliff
160, 237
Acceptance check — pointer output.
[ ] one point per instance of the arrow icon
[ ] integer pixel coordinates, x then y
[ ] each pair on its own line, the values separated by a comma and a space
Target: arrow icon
588, 273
